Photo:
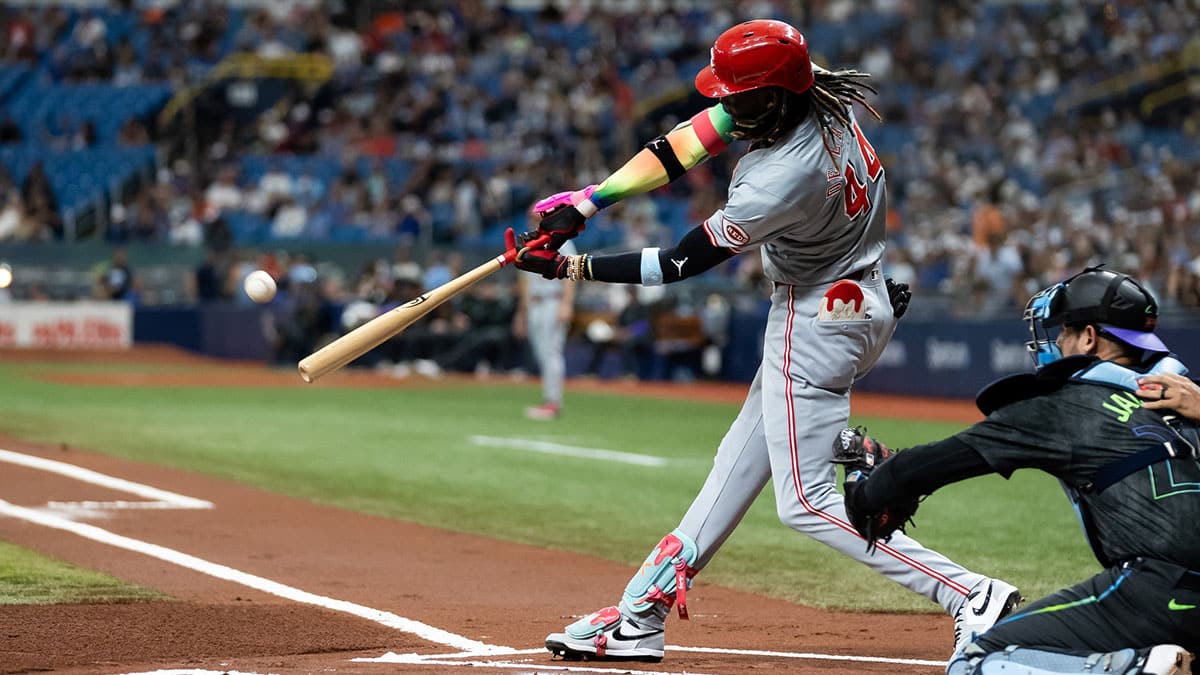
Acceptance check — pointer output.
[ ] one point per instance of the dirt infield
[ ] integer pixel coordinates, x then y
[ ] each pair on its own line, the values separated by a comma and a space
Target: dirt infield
486, 590
471, 588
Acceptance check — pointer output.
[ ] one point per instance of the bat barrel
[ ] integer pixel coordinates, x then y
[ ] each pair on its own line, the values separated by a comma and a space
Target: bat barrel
352, 345
376, 331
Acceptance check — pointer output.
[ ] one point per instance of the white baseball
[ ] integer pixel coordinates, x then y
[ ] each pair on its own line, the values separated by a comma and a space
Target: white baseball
259, 286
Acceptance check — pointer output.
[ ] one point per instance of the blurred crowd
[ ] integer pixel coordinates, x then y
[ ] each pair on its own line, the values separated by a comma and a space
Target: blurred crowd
1005, 188
29, 211
614, 331
1007, 171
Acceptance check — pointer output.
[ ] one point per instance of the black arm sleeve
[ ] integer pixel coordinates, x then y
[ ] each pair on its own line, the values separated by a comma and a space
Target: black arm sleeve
695, 253
921, 470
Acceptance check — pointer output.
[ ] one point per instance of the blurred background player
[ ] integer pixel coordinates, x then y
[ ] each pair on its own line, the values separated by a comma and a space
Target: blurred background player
1130, 471
810, 195
544, 311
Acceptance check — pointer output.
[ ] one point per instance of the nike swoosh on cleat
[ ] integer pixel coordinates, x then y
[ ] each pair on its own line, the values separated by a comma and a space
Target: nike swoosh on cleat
987, 598
617, 635
1176, 607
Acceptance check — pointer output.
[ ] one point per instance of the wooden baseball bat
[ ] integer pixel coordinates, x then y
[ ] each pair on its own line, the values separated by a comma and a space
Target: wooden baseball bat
378, 330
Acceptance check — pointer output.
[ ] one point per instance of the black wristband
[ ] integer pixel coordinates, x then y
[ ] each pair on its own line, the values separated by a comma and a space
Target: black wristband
661, 148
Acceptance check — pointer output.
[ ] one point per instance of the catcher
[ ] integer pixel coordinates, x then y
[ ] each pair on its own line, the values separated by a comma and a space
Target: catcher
1129, 469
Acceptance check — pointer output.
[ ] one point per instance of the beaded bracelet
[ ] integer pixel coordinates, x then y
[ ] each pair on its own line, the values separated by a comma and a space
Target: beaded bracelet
579, 268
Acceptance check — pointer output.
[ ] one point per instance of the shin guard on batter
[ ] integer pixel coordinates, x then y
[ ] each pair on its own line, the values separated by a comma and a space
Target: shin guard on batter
663, 579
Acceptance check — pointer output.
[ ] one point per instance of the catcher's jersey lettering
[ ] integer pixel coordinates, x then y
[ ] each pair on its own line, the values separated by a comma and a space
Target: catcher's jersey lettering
1123, 404
1130, 518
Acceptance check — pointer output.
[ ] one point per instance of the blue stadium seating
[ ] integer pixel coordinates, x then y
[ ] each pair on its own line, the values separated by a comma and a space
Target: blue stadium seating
12, 77
324, 168
247, 228
78, 177
60, 108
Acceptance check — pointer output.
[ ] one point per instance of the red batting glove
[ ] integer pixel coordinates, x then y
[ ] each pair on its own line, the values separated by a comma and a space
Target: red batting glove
548, 263
563, 223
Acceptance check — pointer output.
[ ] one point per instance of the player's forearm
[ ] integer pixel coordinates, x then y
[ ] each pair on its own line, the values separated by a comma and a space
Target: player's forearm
667, 157
920, 471
694, 254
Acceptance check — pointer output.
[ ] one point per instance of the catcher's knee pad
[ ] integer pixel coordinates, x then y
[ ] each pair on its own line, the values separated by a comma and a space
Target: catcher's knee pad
664, 576
1025, 661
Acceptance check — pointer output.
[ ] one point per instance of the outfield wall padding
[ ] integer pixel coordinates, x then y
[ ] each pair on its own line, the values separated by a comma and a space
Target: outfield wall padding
951, 358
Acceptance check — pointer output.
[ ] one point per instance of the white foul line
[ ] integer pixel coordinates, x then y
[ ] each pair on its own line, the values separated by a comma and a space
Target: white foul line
417, 659
450, 659
191, 671
118, 505
549, 448
421, 630
177, 501
804, 655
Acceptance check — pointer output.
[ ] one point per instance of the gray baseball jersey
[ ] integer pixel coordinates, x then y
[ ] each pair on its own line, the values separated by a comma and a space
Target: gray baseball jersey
815, 202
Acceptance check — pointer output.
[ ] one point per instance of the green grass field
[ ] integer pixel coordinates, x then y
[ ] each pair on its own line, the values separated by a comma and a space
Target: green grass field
31, 579
407, 453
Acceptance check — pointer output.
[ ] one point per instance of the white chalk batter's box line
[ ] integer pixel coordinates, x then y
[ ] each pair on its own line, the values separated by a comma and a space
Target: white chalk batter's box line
158, 499
454, 660
468, 648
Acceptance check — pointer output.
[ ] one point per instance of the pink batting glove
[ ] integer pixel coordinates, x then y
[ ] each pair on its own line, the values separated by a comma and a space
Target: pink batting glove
560, 199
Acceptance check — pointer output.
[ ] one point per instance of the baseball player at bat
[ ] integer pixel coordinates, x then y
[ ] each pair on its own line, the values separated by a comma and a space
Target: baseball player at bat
1130, 470
809, 195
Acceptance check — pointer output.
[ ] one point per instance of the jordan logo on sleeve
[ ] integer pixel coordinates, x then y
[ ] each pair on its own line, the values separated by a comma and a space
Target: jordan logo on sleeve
679, 265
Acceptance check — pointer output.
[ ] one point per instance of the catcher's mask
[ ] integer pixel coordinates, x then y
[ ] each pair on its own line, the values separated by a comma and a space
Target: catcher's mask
1116, 304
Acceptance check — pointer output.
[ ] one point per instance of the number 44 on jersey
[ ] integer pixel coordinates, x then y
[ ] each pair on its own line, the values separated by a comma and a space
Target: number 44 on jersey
855, 194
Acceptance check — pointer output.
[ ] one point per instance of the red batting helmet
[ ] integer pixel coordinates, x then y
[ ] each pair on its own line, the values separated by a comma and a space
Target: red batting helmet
754, 54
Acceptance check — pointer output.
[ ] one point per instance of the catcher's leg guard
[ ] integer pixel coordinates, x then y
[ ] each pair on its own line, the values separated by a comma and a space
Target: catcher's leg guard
663, 578
1160, 660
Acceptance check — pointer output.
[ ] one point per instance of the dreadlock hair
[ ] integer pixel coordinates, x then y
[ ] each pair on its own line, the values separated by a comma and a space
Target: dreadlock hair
764, 115
834, 92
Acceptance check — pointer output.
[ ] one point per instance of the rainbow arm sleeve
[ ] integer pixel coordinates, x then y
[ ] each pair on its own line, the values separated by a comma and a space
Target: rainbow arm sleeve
703, 136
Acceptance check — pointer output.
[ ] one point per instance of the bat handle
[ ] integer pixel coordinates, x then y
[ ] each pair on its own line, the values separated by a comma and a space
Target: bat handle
510, 255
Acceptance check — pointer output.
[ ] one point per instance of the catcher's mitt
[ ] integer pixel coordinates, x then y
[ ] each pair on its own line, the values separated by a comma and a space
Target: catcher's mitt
861, 454
858, 451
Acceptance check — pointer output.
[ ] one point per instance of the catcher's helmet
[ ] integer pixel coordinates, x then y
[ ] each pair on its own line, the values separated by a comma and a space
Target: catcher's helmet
755, 54
1119, 306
